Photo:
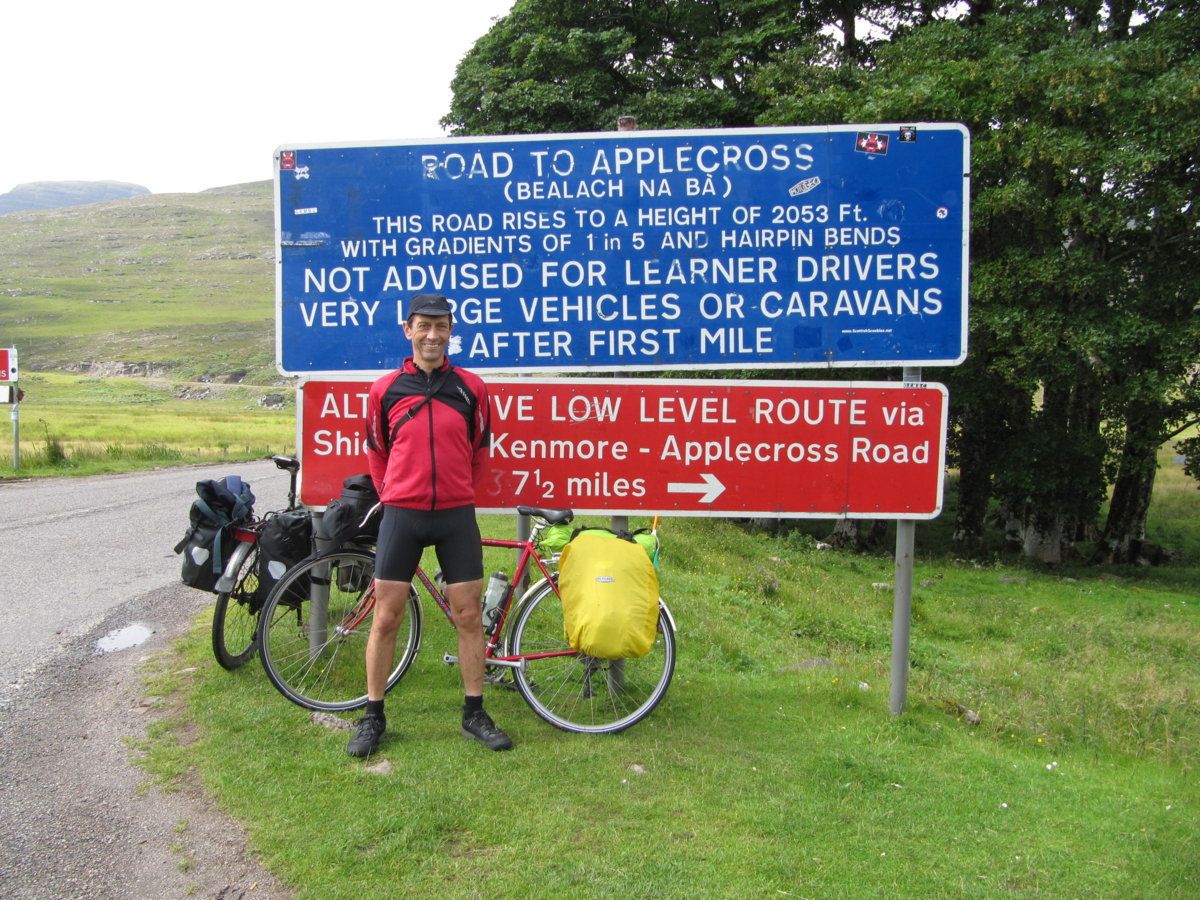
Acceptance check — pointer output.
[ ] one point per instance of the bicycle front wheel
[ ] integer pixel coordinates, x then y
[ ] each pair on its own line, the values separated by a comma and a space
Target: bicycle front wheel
580, 693
313, 632
235, 618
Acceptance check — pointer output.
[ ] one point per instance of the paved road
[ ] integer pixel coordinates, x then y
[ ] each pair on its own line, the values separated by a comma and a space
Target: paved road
72, 549
79, 559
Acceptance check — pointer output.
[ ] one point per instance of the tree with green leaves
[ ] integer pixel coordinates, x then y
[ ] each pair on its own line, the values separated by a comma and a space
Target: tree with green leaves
566, 65
1085, 332
1083, 314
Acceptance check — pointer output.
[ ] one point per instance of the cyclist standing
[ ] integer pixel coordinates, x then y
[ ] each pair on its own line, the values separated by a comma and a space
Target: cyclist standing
428, 435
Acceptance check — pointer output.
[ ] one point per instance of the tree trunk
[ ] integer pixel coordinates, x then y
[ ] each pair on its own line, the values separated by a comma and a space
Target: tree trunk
847, 15
988, 414
1125, 529
1060, 504
1038, 538
974, 491
1087, 418
857, 534
1126, 526
1044, 542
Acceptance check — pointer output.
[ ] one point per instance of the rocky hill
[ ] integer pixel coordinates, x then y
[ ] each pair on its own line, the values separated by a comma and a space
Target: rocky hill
57, 194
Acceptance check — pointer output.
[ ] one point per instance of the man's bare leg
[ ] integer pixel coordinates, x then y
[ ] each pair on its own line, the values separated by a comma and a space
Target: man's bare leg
466, 606
390, 600
391, 597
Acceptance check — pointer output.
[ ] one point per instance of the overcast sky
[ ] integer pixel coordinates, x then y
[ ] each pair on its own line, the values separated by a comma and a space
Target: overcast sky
181, 97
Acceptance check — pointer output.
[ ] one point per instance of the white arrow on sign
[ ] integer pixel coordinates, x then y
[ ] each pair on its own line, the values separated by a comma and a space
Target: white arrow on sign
711, 487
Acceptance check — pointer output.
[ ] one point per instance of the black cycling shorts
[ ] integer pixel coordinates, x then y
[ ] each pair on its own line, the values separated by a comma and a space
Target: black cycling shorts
405, 533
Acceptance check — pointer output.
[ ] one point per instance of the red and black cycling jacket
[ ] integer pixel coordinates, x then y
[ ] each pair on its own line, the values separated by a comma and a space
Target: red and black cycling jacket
428, 436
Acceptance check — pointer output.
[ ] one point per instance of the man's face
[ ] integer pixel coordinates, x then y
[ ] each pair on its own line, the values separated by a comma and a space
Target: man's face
429, 336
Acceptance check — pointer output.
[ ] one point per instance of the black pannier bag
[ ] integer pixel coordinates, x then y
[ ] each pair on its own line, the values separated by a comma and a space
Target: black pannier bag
284, 539
219, 505
353, 517
344, 517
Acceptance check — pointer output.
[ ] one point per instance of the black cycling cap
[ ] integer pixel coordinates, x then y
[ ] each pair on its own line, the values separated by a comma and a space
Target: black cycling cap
429, 305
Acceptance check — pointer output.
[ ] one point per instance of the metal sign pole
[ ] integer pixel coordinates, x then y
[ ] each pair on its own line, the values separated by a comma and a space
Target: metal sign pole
524, 529
906, 530
621, 523
16, 420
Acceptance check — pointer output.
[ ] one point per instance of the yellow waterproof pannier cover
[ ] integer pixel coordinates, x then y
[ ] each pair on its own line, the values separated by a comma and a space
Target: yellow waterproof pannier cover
610, 597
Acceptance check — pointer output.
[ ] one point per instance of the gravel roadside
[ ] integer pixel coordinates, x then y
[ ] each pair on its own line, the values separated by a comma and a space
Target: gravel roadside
77, 816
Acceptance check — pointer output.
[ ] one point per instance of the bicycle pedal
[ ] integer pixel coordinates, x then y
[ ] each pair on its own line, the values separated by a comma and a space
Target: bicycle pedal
450, 659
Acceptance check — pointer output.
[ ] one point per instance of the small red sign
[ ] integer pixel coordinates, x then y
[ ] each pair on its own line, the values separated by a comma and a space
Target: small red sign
684, 448
287, 159
8, 364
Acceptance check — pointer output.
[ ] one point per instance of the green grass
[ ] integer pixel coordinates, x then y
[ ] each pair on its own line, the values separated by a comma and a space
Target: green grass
76, 425
1172, 521
772, 768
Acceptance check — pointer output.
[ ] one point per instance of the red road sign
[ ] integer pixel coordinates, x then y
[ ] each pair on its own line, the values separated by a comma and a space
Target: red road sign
8, 364
684, 448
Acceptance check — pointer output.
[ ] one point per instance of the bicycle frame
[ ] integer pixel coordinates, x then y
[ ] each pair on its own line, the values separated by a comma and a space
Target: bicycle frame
528, 554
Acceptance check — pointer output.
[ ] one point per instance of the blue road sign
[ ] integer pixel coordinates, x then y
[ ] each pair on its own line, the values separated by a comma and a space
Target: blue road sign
734, 249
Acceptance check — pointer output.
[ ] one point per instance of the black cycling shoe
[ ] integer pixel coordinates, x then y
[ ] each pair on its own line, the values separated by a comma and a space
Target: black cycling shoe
367, 736
480, 727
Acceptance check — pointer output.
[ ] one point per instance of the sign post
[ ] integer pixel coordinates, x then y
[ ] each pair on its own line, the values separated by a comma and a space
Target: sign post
8, 376
906, 536
16, 432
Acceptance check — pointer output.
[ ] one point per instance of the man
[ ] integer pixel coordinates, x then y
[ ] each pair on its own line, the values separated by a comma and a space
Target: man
428, 434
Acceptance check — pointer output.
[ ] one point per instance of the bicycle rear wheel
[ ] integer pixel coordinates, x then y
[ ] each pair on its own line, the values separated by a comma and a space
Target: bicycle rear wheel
235, 618
313, 632
581, 693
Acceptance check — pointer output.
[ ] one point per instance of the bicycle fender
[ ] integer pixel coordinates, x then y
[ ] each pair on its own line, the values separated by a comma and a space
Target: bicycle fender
228, 578
662, 607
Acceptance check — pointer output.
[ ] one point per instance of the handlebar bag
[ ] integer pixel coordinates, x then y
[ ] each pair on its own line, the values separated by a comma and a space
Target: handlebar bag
609, 593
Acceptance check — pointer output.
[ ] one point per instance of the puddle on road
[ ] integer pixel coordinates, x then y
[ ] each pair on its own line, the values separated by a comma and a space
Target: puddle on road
124, 638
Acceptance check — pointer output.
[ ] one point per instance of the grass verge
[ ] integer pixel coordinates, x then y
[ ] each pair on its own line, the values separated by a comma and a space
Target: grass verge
77, 425
772, 768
